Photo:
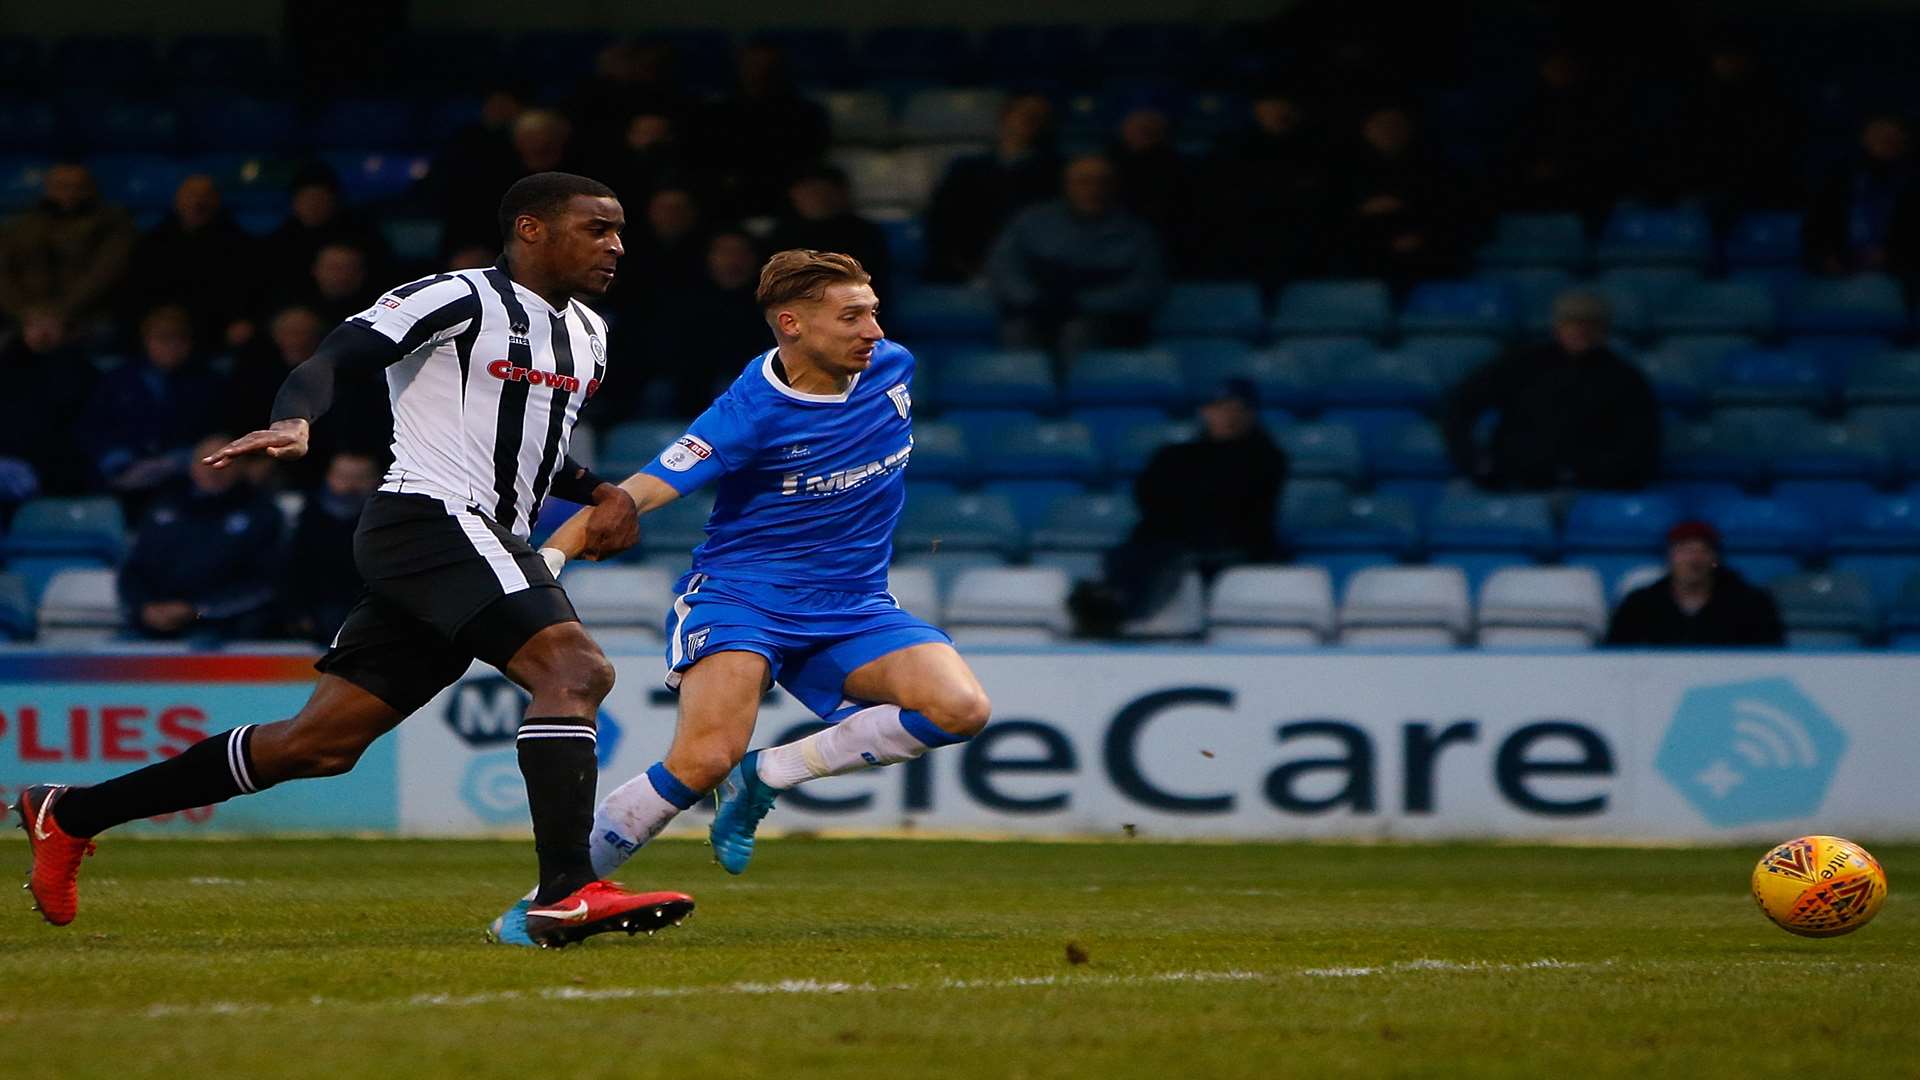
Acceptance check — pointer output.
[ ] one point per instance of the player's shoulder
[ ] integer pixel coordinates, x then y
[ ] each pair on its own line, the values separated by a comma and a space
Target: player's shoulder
892, 358
595, 322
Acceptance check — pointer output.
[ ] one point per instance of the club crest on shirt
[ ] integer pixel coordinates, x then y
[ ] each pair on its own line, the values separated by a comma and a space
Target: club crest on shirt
685, 453
697, 641
902, 401
599, 349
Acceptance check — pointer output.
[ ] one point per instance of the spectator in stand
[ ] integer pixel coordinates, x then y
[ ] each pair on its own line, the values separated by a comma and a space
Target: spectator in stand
708, 328
142, 419
1402, 210
667, 249
820, 217
1571, 412
1204, 505
198, 258
1568, 146
981, 193
1698, 602
1264, 196
318, 218
38, 451
68, 253
1866, 216
755, 138
1155, 183
1078, 271
337, 286
477, 164
204, 563
644, 159
1739, 140
631, 78
542, 141
321, 582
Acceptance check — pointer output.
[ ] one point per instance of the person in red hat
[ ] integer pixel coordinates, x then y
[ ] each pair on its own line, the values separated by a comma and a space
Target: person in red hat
1698, 602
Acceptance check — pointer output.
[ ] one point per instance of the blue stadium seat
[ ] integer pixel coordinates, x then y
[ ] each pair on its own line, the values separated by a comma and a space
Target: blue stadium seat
939, 453
1835, 501
1879, 541
858, 116
952, 115
1826, 610
896, 52
1327, 451
998, 379
412, 239
1414, 450
1228, 309
88, 526
1899, 427
1760, 434
1615, 568
1607, 522
1679, 381
1039, 450
1384, 525
1639, 236
1717, 307
1031, 499
354, 123
1709, 349
1752, 525
1204, 362
1450, 357
125, 126
1771, 377
1381, 380
943, 311
1334, 307
1458, 307
1287, 377
1111, 424
1636, 292
1767, 238
1533, 290
17, 616
959, 524
22, 180
1536, 240
1837, 353
139, 181
982, 425
1472, 521
241, 123
1704, 452
906, 246
1371, 424
1863, 304
1297, 493
374, 175
1086, 522
1129, 451
1124, 377
1832, 451
37, 570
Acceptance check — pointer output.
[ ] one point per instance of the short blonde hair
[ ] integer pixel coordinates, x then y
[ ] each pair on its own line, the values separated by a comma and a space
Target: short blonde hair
800, 274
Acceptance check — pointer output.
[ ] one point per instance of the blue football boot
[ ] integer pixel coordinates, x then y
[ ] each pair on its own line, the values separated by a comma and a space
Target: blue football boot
510, 928
744, 799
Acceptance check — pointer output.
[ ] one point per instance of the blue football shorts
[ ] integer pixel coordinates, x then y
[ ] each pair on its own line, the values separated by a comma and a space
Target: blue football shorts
812, 638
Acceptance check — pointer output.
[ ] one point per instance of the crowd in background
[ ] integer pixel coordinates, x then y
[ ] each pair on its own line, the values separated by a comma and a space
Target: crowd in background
159, 340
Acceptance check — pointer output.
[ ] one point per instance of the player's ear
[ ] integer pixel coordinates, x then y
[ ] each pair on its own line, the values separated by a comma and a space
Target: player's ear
529, 228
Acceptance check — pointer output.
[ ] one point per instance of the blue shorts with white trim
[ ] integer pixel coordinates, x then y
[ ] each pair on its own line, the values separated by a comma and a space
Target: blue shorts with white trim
812, 638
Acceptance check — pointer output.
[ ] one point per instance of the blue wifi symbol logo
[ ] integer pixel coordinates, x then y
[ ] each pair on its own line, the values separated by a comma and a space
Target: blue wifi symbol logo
1751, 751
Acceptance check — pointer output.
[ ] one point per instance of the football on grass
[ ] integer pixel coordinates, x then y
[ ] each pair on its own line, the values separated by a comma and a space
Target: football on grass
1819, 886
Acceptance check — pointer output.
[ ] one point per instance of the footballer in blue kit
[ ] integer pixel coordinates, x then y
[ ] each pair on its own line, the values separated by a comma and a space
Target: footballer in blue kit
807, 451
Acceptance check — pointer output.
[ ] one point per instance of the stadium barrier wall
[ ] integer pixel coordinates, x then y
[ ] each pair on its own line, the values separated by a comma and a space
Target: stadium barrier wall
1153, 742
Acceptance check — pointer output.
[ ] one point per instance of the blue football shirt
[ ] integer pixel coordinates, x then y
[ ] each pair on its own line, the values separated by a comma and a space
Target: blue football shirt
810, 486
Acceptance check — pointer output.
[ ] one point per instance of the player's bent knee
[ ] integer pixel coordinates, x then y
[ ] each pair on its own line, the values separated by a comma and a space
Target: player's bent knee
964, 713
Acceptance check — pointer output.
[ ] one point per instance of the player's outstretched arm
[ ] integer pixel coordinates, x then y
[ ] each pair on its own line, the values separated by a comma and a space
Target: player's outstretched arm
284, 440
575, 538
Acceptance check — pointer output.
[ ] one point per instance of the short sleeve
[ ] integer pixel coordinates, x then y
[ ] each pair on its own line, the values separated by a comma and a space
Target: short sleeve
429, 310
718, 441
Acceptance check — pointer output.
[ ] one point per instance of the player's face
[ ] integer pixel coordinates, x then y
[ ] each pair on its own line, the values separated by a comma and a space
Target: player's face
841, 329
586, 243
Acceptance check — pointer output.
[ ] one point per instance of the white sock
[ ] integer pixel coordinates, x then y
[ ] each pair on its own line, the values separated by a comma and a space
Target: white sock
633, 814
875, 736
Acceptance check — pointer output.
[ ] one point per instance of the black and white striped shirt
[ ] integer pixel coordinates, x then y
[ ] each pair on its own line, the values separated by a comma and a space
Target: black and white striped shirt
487, 393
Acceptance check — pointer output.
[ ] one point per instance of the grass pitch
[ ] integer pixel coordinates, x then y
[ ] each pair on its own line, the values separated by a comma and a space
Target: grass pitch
947, 959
